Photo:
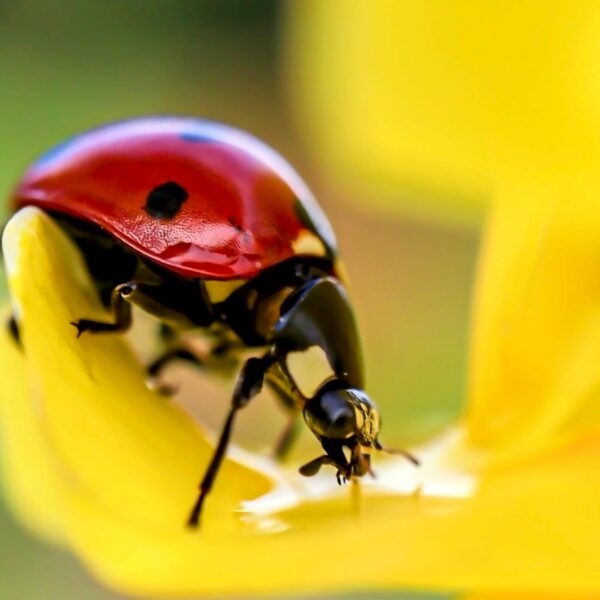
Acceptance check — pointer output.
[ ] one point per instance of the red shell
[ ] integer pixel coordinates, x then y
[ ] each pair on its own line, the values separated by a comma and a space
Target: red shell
245, 209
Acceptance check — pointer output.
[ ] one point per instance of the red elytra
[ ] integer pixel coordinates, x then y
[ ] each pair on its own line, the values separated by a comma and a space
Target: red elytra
245, 207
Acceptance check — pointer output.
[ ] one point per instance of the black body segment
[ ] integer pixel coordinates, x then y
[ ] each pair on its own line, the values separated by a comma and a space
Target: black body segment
319, 314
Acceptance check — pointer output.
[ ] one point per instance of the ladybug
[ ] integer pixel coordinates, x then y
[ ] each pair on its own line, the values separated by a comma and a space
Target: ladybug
205, 227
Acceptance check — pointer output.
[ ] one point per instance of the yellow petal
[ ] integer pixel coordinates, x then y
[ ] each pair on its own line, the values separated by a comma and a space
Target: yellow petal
531, 527
32, 484
535, 372
512, 595
429, 104
120, 466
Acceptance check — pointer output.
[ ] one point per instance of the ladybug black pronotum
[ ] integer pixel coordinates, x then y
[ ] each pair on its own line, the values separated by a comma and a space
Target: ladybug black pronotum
167, 209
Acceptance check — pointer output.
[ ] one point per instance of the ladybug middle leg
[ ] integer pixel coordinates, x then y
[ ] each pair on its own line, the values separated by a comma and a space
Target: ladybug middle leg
218, 356
156, 367
177, 349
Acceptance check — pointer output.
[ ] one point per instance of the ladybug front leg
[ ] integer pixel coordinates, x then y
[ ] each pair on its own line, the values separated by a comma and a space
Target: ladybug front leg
119, 306
249, 384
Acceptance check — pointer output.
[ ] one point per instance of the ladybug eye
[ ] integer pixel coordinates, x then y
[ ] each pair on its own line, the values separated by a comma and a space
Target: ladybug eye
165, 200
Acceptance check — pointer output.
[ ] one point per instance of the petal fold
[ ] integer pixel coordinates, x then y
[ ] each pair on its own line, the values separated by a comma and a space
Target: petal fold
535, 364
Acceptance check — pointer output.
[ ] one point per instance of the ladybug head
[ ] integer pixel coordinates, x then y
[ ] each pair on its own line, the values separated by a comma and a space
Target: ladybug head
347, 423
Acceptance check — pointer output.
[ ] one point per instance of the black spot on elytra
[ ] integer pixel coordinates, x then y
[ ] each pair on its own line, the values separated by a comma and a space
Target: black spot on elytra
165, 200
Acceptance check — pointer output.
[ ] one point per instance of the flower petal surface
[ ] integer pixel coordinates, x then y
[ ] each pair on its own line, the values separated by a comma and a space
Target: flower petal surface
119, 465
536, 338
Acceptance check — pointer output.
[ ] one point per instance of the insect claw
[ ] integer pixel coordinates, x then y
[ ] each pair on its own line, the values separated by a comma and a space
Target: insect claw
80, 328
164, 389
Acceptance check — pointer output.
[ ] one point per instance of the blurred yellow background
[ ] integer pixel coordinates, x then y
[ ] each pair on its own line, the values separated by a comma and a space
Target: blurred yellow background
67, 66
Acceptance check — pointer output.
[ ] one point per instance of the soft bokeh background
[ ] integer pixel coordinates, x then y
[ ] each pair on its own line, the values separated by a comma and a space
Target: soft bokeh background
67, 65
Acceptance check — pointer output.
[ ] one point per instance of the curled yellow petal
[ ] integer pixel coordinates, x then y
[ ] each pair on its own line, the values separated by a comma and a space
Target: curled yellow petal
118, 465
94, 425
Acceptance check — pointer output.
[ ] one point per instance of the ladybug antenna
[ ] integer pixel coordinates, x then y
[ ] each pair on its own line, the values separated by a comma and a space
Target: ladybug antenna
398, 452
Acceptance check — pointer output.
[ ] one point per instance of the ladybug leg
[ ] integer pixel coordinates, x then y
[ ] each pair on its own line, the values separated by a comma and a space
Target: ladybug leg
287, 438
166, 333
249, 384
13, 330
120, 307
169, 302
155, 368
213, 356
291, 399
216, 358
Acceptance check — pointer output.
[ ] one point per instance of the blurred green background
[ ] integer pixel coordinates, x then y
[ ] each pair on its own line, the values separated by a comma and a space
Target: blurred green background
66, 66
